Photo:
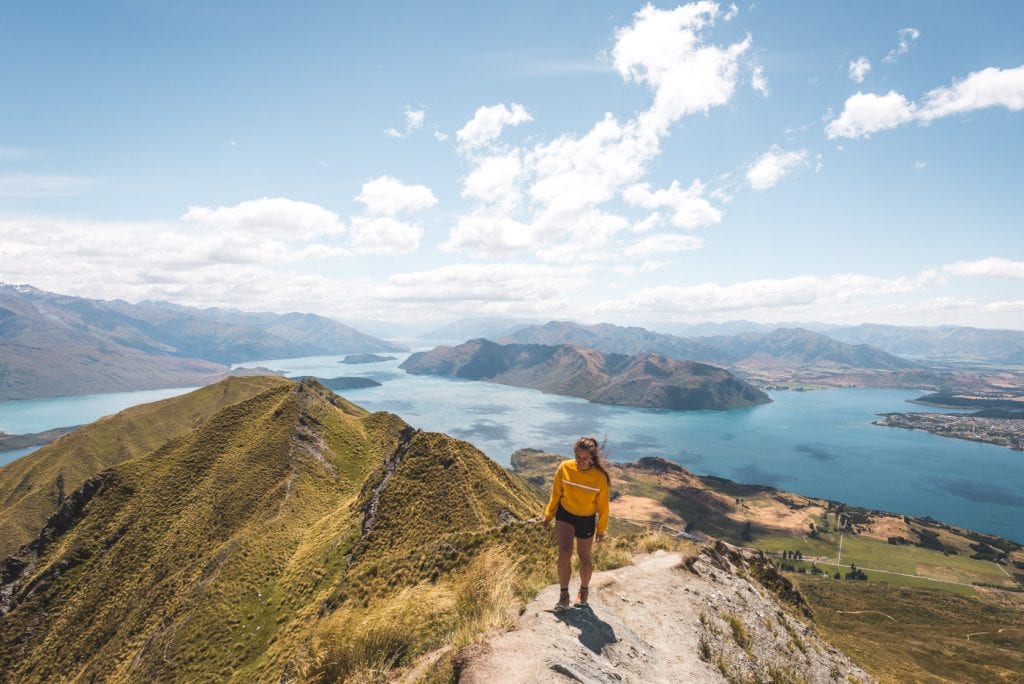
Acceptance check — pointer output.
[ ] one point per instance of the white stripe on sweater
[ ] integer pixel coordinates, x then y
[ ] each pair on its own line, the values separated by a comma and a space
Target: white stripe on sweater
577, 484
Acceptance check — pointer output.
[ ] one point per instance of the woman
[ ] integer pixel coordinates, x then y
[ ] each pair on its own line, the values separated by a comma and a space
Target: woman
580, 492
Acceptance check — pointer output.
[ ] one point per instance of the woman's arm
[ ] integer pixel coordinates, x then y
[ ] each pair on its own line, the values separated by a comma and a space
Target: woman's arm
602, 511
556, 496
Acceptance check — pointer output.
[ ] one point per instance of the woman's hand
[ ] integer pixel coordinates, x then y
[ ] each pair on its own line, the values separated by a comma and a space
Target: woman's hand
546, 522
598, 538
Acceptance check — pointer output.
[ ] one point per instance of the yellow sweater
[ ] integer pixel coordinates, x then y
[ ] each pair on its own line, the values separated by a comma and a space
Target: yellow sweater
582, 492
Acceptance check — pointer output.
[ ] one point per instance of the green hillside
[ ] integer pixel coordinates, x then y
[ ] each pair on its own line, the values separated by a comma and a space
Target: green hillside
32, 487
260, 542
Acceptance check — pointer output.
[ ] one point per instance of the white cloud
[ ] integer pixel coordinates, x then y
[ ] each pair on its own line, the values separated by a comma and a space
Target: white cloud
773, 166
481, 285
384, 235
866, 113
414, 119
664, 49
389, 196
859, 69
440, 136
653, 265
732, 13
489, 231
989, 87
689, 209
496, 179
379, 231
488, 122
758, 81
268, 216
920, 166
563, 184
663, 243
758, 295
907, 38
993, 267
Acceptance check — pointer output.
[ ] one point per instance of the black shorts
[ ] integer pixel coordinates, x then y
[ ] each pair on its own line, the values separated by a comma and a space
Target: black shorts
583, 524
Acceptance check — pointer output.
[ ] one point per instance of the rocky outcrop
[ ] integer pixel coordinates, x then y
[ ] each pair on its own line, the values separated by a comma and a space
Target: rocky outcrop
710, 619
645, 380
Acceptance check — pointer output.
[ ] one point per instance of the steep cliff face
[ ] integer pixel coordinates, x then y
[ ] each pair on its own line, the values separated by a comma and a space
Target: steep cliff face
646, 380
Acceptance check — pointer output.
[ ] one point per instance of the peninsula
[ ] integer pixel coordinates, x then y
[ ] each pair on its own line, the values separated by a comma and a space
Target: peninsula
644, 380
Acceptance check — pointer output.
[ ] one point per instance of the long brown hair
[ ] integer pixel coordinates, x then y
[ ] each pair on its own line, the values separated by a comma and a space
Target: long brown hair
596, 451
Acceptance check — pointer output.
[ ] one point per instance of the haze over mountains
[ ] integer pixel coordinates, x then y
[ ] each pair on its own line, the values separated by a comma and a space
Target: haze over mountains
52, 345
794, 345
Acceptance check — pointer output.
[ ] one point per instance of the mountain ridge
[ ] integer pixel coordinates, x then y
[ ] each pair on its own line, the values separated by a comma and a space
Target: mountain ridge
644, 380
58, 345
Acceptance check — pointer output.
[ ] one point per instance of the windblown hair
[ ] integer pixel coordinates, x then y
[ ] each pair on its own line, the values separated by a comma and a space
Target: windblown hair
596, 451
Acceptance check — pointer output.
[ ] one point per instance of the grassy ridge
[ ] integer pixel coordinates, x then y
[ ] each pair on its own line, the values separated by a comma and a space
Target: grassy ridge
235, 550
32, 487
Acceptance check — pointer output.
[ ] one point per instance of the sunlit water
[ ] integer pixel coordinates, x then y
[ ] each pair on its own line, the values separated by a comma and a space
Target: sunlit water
815, 443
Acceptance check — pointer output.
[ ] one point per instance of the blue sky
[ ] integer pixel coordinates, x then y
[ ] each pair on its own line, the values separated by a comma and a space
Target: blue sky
841, 162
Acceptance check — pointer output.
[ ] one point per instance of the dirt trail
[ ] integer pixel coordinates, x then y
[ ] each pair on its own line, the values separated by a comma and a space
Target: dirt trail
655, 621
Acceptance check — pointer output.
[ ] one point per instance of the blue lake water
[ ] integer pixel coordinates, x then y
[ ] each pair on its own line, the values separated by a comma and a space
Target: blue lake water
815, 443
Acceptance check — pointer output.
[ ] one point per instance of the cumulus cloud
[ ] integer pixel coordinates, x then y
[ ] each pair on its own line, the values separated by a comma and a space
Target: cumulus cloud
773, 166
384, 235
488, 122
379, 231
550, 198
859, 69
993, 267
496, 180
989, 87
907, 38
389, 196
268, 216
663, 243
867, 113
688, 208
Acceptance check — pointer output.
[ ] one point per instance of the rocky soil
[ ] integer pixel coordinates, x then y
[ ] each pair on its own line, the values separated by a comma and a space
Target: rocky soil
722, 615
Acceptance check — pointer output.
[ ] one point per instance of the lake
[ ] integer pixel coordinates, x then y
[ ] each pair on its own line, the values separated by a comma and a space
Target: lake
815, 443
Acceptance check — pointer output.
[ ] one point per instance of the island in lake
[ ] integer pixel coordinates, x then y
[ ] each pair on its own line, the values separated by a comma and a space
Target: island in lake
644, 380
347, 382
366, 358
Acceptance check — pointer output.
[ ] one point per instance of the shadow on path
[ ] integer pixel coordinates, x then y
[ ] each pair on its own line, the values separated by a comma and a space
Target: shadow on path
595, 633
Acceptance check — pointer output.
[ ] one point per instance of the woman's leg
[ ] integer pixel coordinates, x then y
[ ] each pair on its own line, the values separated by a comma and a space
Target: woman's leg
564, 533
584, 548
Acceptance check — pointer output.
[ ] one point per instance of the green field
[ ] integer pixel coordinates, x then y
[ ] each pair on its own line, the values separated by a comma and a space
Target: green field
904, 565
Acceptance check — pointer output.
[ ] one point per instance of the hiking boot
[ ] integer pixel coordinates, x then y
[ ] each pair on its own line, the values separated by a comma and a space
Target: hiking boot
563, 600
582, 596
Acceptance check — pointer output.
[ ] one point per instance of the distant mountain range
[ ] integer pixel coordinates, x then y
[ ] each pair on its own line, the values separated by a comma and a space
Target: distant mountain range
54, 345
646, 380
792, 346
943, 343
